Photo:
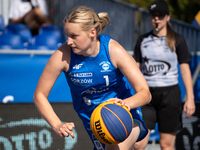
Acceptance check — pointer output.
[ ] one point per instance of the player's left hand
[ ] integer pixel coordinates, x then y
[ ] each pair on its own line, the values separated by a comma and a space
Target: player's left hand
117, 100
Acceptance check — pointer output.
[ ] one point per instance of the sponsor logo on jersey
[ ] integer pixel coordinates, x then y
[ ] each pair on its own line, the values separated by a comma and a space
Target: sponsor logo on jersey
77, 66
92, 90
81, 79
105, 66
87, 100
81, 74
154, 67
81, 82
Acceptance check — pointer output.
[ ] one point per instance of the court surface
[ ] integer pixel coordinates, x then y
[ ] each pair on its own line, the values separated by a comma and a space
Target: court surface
153, 146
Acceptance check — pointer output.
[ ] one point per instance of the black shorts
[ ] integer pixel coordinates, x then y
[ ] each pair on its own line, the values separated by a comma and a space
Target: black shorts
165, 109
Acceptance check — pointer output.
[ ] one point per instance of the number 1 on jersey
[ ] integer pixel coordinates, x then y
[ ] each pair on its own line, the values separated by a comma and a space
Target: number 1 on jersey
107, 80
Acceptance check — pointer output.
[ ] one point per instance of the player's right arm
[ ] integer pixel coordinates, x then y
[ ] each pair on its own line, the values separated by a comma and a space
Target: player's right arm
139, 65
57, 63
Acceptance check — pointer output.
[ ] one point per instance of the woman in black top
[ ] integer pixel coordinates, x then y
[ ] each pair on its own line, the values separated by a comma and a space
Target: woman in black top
157, 53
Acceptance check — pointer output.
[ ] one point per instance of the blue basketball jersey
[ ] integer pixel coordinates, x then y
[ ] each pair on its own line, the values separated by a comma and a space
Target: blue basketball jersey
93, 80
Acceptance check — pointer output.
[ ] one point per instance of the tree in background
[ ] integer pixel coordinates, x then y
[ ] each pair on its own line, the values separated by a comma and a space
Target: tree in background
184, 10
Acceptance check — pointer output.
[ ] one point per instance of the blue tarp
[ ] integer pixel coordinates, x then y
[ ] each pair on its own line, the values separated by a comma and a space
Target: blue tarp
19, 75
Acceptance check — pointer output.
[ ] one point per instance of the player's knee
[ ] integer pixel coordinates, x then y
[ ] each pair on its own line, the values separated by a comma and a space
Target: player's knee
139, 145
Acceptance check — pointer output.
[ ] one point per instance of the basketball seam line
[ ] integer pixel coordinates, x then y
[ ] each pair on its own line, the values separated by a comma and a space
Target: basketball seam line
118, 119
106, 128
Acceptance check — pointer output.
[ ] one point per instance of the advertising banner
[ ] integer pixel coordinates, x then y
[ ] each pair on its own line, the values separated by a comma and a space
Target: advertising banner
22, 128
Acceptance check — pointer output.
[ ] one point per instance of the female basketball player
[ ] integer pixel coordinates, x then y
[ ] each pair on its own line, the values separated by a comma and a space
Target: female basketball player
159, 52
97, 69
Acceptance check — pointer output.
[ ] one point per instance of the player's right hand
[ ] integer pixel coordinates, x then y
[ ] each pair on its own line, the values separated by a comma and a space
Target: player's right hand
66, 129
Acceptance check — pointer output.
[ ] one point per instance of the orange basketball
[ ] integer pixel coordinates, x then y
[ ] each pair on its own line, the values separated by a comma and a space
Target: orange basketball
111, 123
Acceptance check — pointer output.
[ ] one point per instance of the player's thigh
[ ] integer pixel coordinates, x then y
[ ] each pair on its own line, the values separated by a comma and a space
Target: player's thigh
149, 115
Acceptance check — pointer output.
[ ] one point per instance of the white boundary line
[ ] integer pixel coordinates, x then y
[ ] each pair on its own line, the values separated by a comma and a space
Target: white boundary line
31, 52
50, 52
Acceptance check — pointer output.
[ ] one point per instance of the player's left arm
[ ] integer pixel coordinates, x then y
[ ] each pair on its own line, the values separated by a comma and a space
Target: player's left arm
122, 60
189, 106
